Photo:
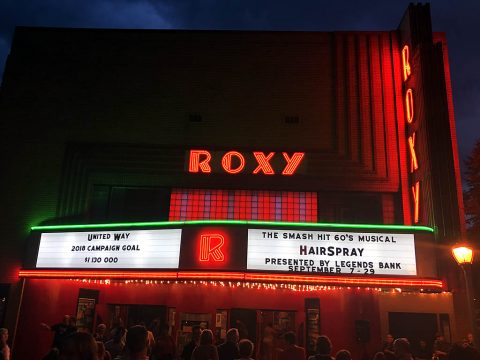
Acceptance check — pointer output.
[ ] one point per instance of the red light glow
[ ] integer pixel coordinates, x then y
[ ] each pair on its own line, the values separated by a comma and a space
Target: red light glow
409, 105
207, 250
195, 164
413, 155
212, 275
204, 204
240, 276
292, 162
263, 163
416, 201
345, 280
71, 274
227, 162
406, 63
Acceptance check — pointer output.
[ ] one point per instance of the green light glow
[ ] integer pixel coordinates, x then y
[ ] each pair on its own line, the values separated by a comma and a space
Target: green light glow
235, 222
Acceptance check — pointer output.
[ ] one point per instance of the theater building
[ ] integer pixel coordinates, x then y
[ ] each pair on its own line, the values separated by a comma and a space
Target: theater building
306, 181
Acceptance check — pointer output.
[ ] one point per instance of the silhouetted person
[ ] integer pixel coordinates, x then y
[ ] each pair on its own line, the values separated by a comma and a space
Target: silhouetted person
101, 352
291, 351
343, 355
79, 346
100, 333
164, 348
463, 351
245, 349
59, 331
387, 348
192, 344
4, 348
402, 349
323, 349
268, 342
72, 326
136, 344
229, 349
53, 354
116, 344
242, 329
205, 350
150, 338
470, 340
441, 347
422, 352
379, 356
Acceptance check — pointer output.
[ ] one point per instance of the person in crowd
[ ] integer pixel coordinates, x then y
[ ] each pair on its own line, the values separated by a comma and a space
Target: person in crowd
4, 348
402, 349
268, 342
136, 344
53, 354
422, 352
164, 345
205, 350
242, 329
116, 324
462, 351
150, 339
59, 331
245, 349
192, 344
379, 356
78, 346
101, 352
116, 344
387, 348
323, 349
470, 340
100, 333
291, 351
229, 349
441, 347
343, 355
72, 326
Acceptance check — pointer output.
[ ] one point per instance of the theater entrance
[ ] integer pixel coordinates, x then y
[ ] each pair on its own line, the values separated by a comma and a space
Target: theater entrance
265, 328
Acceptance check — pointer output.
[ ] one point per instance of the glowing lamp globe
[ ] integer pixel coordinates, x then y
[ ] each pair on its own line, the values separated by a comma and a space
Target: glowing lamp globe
463, 254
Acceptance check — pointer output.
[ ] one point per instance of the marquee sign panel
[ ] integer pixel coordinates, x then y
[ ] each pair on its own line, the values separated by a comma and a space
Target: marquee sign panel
330, 252
134, 249
210, 247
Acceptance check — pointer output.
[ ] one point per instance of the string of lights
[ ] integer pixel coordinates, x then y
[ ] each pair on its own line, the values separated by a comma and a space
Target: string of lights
242, 285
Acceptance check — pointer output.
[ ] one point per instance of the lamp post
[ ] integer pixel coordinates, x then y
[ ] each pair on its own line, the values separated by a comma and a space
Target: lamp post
463, 255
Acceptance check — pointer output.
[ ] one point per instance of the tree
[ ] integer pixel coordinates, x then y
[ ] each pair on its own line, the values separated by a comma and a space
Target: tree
472, 194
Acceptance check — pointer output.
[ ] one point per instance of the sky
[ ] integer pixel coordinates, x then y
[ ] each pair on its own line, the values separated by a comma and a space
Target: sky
459, 19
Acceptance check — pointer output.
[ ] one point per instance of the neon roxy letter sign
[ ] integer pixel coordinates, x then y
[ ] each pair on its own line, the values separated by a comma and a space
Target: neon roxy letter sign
409, 117
234, 162
211, 247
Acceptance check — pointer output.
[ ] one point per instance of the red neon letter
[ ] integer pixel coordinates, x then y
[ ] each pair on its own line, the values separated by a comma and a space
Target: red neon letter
194, 163
207, 250
416, 201
227, 162
292, 163
263, 163
409, 105
405, 63
413, 155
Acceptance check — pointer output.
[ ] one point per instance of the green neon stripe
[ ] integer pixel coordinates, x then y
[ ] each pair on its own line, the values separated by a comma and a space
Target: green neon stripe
234, 222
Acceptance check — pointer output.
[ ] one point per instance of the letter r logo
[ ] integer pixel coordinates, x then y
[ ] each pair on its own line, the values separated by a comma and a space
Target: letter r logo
211, 246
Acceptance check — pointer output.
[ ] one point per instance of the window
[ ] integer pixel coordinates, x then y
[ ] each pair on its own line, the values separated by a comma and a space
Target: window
203, 204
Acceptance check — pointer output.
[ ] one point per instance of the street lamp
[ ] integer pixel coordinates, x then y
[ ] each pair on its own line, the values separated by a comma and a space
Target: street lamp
463, 255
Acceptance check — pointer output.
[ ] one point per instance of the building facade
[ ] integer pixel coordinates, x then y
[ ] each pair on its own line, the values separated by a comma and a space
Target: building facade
306, 181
